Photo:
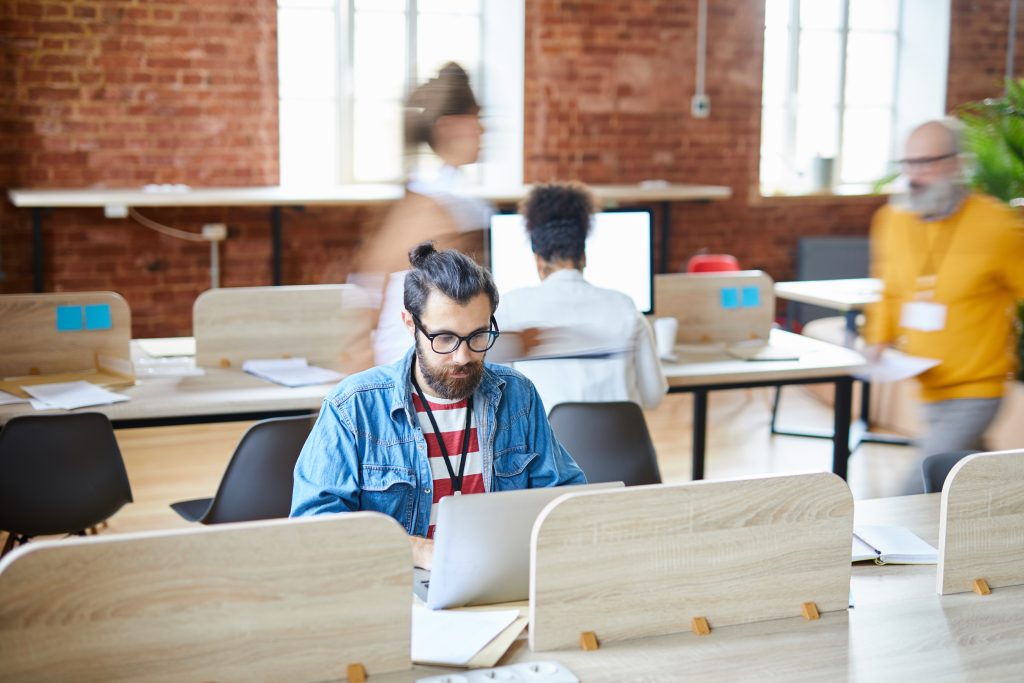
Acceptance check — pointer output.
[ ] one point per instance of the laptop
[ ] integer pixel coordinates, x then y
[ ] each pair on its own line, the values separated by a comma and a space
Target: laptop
482, 546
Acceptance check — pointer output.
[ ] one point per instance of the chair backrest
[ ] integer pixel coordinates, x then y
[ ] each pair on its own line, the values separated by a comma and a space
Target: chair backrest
59, 473
609, 441
258, 481
712, 263
935, 468
833, 257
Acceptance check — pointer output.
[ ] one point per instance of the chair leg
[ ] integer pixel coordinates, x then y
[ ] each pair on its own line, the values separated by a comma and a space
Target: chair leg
9, 543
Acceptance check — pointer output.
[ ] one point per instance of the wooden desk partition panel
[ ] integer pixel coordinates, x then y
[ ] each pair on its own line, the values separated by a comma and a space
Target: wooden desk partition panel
61, 333
981, 526
646, 560
717, 307
320, 323
280, 600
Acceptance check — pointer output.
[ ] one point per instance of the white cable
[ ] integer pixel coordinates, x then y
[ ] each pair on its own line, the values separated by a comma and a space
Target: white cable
163, 229
702, 43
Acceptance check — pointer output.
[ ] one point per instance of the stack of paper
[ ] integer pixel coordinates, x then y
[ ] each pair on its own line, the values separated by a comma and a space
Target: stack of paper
6, 399
891, 545
71, 395
894, 366
453, 637
291, 372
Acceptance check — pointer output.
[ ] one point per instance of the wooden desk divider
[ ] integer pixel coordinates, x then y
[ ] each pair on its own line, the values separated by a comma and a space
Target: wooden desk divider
652, 560
981, 524
717, 307
321, 323
279, 600
65, 337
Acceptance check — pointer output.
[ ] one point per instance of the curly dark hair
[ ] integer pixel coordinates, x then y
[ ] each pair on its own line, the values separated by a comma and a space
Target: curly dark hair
558, 219
448, 94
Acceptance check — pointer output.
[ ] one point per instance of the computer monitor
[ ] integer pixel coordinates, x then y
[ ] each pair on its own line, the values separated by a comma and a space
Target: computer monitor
618, 254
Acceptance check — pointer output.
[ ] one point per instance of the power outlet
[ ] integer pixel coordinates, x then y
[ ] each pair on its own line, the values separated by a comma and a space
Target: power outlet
215, 232
700, 106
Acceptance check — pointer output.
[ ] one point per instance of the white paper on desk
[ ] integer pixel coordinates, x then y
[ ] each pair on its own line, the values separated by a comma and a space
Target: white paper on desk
291, 372
7, 399
895, 365
759, 350
71, 395
453, 637
896, 545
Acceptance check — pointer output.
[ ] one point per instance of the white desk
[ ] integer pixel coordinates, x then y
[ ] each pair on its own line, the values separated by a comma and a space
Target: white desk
899, 630
343, 195
700, 373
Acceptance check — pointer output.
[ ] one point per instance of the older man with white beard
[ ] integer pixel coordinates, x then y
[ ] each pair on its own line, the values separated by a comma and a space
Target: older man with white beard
952, 266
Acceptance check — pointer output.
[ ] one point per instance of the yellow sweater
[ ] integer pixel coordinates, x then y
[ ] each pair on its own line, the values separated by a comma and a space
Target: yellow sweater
977, 257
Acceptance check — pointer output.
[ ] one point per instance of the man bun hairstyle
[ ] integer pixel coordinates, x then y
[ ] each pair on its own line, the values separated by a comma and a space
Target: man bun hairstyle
450, 272
558, 220
448, 94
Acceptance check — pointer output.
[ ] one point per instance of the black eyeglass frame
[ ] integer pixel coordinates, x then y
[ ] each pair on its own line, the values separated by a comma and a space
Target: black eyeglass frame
492, 334
918, 162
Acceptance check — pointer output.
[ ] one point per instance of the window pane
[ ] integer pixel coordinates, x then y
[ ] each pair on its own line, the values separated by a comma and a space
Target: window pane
819, 68
776, 66
776, 14
377, 141
380, 5
379, 71
443, 38
817, 134
870, 68
867, 141
450, 6
875, 15
821, 14
309, 143
775, 173
306, 54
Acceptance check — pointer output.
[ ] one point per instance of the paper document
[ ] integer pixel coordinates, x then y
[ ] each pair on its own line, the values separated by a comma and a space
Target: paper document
71, 395
759, 350
291, 372
168, 347
6, 399
452, 637
891, 545
895, 365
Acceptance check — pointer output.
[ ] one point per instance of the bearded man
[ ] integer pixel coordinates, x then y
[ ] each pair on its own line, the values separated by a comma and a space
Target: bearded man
398, 438
952, 266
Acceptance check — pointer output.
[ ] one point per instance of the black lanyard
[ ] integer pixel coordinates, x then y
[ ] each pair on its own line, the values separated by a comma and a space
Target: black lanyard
456, 480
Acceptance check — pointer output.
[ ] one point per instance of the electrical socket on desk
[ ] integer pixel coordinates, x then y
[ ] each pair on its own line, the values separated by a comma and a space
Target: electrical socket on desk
215, 232
700, 106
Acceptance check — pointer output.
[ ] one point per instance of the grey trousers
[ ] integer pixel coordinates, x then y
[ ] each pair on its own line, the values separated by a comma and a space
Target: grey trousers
953, 425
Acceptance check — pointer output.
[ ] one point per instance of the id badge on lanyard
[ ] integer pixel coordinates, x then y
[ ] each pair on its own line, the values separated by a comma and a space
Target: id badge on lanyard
923, 313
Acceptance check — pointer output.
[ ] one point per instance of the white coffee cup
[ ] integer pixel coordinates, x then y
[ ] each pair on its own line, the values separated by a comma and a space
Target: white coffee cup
665, 330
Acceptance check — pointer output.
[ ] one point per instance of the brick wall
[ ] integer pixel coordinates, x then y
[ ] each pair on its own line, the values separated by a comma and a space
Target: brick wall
116, 93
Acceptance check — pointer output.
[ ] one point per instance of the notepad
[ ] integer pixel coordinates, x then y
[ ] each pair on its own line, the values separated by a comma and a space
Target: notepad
291, 372
7, 399
453, 637
71, 395
759, 350
891, 545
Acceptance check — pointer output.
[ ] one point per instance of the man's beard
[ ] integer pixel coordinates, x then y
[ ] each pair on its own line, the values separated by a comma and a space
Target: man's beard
440, 379
933, 201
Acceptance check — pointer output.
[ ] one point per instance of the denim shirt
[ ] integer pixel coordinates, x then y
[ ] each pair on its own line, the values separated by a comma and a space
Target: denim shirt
367, 451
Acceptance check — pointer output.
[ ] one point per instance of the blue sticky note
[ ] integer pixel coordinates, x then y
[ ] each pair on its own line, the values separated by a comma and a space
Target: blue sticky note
730, 297
97, 317
69, 318
751, 297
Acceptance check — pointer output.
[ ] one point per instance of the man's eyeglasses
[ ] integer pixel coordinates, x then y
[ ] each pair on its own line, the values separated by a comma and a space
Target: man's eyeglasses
448, 342
921, 162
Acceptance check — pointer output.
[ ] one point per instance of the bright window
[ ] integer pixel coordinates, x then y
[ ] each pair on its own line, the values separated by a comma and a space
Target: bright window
346, 66
844, 80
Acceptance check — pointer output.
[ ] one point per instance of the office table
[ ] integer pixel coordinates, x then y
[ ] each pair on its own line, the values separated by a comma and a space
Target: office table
850, 297
898, 630
700, 372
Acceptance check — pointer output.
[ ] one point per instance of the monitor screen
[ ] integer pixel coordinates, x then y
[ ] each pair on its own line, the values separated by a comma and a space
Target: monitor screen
618, 255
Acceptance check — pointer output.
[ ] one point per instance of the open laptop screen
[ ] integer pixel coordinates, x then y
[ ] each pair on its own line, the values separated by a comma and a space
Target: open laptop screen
618, 255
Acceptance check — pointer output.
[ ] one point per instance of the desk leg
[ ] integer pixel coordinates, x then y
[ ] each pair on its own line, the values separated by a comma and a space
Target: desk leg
700, 423
37, 250
275, 244
841, 425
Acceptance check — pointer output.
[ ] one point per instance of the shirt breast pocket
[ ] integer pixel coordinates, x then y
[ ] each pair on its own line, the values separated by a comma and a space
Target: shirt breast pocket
511, 468
389, 489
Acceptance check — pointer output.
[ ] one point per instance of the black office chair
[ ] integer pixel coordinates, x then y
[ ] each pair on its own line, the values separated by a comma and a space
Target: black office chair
609, 441
59, 474
935, 468
257, 483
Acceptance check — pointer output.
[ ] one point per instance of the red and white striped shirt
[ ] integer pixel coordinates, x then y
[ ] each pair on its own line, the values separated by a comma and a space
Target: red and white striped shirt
451, 421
